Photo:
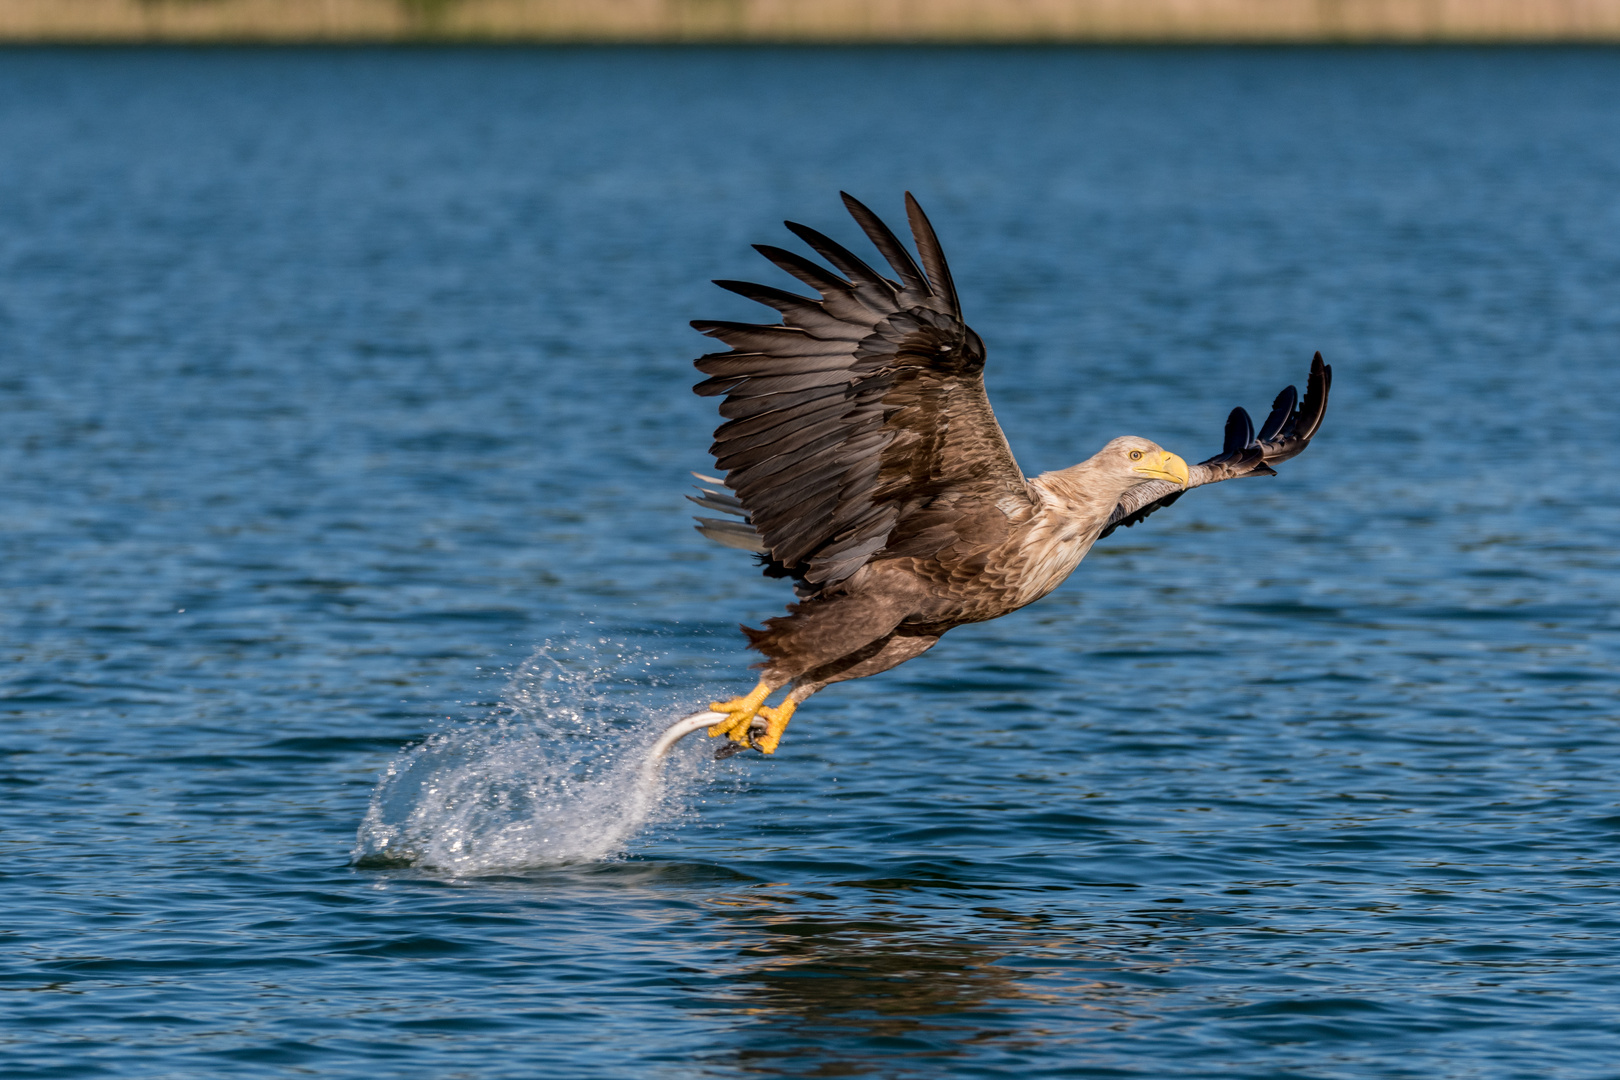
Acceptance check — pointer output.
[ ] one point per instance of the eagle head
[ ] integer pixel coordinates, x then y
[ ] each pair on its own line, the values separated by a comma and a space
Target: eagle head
1141, 460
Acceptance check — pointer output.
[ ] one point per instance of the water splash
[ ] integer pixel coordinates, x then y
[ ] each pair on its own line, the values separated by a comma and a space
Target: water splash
555, 775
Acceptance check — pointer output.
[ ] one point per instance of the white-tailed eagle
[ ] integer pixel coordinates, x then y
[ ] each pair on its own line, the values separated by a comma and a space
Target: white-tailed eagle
861, 455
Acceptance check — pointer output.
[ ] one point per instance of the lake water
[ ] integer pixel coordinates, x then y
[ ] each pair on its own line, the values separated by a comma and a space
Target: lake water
344, 404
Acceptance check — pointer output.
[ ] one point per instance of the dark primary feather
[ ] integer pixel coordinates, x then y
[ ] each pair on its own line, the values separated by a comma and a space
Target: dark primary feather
933, 256
889, 246
1286, 432
848, 263
852, 419
1281, 410
1239, 431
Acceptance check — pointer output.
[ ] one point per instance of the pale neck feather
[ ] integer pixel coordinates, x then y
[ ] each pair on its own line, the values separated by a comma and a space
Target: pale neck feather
1074, 507
1085, 492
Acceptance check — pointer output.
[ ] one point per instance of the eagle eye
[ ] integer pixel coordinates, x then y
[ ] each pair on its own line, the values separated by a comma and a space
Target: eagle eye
1136, 455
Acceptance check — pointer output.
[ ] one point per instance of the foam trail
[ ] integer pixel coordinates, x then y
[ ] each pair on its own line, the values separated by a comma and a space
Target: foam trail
560, 774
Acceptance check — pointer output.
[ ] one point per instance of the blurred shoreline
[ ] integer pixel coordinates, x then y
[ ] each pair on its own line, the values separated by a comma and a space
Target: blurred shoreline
810, 21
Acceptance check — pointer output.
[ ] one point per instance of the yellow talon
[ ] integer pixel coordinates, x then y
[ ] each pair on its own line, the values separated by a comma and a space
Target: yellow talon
778, 718
741, 710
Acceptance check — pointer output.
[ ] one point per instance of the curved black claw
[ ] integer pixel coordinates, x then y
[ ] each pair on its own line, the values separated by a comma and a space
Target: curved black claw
755, 730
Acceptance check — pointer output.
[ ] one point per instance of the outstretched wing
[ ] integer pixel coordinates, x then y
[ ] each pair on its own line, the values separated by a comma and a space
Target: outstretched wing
1286, 432
861, 418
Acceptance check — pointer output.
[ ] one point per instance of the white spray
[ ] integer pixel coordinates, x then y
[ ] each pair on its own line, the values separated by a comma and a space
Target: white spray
566, 770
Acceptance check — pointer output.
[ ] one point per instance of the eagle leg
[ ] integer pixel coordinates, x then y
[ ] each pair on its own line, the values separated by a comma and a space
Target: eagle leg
778, 718
740, 713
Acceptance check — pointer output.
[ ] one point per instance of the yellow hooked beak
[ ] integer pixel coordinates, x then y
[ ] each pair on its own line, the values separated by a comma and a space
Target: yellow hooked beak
1164, 466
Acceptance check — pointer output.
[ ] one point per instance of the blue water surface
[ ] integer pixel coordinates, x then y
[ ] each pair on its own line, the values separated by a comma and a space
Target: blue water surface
344, 404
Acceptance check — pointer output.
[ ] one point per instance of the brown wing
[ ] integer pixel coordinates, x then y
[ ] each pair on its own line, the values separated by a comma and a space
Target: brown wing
1286, 433
861, 419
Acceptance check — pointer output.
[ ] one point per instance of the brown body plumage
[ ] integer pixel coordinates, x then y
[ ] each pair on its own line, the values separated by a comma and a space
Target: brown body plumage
862, 455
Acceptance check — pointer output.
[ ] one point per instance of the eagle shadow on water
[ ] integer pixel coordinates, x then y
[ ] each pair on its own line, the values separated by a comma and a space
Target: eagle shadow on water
862, 461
